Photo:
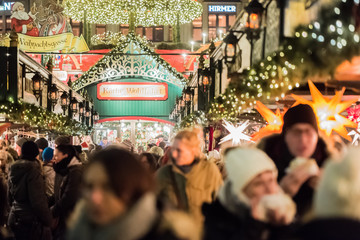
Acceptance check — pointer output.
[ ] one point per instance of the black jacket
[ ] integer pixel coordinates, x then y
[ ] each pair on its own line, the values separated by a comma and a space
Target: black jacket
275, 147
27, 192
224, 225
67, 191
330, 229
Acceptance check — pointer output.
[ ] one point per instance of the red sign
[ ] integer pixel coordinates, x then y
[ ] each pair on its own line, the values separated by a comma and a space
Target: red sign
132, 91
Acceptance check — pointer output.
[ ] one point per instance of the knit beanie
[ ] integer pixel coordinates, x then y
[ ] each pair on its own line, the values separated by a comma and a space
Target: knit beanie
47, 154
338, 192
301, 113
243, 165
42, 143
29, 150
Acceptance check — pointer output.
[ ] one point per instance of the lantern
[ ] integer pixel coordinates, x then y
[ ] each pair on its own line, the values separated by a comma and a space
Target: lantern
53, 94
188, 94
37, 85
64, 98
96, 116
230, 48
87, 112
74, 105
81, 109
253, 23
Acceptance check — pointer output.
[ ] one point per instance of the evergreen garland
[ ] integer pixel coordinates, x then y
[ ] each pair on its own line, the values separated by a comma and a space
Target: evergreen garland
25, 113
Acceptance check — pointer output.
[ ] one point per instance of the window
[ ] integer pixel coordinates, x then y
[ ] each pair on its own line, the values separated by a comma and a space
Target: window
170, 34
124, 29
155, 34
197, 29
220, 24
158, 34
76, 27
8, 24
1, 25
100, 28
139, 31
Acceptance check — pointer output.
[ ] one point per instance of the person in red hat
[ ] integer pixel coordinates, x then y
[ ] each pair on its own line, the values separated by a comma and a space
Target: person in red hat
23, 22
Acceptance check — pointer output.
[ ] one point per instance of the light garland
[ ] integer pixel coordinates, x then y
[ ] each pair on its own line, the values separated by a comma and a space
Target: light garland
34, 116
107, 38
328, 111
143, 12
316, 50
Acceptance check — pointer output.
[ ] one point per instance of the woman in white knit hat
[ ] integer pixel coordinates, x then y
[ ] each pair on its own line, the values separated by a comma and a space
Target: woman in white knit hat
336, 201
251, 200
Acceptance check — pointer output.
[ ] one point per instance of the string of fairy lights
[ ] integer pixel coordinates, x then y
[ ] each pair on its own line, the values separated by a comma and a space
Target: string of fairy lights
143, 12
316, 50
25, 113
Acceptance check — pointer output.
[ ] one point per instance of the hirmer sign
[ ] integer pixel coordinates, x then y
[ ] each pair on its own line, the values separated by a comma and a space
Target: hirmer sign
6, 6
222, 8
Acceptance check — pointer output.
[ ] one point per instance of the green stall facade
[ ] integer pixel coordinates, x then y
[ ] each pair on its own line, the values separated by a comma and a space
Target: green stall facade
134, 91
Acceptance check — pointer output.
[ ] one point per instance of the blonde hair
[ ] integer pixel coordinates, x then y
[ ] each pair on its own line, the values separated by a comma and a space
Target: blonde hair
191, 138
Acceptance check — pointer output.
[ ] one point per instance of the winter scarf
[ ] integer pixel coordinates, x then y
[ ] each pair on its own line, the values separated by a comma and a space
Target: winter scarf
61, 167
132, 225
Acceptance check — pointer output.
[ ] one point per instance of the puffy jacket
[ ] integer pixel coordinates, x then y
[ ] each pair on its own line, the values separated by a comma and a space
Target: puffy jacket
27, 192
195, 187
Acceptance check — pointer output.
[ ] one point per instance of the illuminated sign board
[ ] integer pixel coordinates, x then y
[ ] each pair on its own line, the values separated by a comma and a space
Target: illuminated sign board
6, 6
222, 8
132, 91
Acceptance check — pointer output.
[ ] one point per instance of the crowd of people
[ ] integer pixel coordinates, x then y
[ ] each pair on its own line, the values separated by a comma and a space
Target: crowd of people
295, 185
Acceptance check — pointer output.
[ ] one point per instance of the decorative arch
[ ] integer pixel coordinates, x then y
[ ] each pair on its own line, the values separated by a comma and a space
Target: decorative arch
131, 58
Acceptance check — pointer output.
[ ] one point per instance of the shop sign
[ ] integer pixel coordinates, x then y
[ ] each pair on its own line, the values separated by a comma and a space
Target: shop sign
132, 91
222, 8
6, 6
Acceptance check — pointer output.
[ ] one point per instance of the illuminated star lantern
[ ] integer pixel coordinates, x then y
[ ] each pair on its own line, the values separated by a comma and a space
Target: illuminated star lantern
236, 133
356, 137
275, 121
328, 111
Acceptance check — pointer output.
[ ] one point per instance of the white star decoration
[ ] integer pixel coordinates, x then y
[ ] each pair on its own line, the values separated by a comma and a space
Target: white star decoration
236, 133
356, 136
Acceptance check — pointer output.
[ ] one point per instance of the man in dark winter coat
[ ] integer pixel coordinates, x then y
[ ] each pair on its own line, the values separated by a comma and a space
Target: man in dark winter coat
30, 217
242, 209
67, 186
299, 138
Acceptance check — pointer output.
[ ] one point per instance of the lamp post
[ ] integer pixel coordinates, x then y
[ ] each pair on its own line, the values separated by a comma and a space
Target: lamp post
192, 45
204, 38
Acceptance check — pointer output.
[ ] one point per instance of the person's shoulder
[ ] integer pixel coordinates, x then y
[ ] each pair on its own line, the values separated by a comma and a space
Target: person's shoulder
271, 139
164, 172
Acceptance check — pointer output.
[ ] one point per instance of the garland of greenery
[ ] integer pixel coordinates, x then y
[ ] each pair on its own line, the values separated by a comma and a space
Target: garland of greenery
316, 50
25, 113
